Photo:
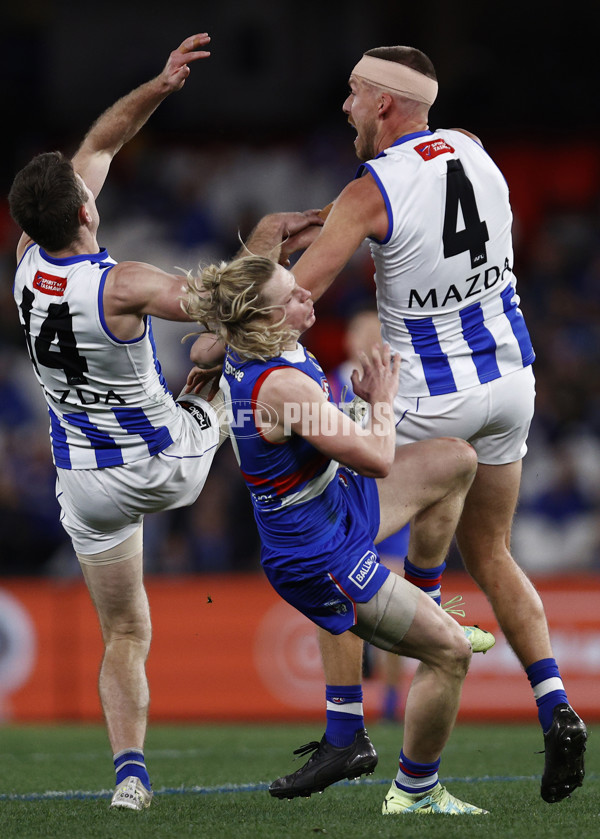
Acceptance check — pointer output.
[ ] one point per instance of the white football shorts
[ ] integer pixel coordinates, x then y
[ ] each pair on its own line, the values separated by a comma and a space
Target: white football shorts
103, 507
493, 417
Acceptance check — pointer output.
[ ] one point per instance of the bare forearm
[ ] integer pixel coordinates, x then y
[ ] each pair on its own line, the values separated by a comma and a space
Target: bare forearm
382, 427
378, 386
275, 229
119, 123
207, 350
124, 119
265, 239
316, 270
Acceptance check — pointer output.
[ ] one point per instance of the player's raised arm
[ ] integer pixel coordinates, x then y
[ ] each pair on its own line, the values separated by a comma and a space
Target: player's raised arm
207, 351
357, 213
303, 409
135, 289
268, 237
119, 123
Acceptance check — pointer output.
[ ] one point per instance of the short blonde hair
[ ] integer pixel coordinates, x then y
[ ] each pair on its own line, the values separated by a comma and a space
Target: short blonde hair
228, 300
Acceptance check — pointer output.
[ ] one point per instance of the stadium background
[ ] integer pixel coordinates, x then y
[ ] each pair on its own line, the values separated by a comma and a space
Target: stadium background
259, 128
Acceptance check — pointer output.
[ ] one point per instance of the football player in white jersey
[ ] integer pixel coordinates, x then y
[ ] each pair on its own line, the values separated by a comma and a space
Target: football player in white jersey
121, 444
436, 211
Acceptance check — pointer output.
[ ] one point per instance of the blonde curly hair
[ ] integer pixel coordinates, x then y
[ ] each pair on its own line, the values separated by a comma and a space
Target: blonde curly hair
228, 300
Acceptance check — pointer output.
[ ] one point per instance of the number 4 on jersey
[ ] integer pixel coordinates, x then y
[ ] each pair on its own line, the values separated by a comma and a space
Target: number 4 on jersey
474, 234
58, 324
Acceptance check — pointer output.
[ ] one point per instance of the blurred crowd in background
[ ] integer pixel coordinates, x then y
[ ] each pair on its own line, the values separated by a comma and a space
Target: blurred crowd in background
181, 207
271, 136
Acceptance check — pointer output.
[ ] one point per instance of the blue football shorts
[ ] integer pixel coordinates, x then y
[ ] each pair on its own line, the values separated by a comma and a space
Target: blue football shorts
326, 580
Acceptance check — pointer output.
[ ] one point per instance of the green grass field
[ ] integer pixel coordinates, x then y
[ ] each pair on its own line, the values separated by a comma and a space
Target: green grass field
211, 781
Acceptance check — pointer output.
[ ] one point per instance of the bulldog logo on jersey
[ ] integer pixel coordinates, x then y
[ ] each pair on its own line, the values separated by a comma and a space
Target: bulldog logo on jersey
337, 606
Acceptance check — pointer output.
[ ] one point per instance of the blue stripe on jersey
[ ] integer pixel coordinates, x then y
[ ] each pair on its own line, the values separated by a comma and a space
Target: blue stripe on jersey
100, 258
517, 323
436, 367
60, 446
408, 137
103, 318
32, 245
107, 451
156, 361
388, 206
135, 421
481, 342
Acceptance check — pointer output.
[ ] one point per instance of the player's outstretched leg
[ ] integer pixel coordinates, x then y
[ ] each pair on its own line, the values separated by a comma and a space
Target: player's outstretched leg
326, 765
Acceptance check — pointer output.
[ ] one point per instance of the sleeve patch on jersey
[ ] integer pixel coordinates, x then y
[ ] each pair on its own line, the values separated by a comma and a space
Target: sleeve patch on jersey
50, 284
433, 148
199, 415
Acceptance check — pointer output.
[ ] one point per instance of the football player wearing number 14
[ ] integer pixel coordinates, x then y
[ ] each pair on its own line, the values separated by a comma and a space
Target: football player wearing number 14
88, 332
122, 445
436, 210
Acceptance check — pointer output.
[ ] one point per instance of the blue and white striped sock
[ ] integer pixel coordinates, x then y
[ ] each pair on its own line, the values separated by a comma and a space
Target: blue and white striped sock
344, 713
416, 777
428, 580
131, 762
548, 689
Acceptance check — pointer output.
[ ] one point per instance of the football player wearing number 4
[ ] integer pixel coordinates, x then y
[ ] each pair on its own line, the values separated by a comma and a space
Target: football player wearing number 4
436, 210
121, 444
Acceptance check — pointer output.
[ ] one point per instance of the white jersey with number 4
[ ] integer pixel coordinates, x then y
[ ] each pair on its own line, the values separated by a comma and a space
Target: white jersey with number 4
107, 399
446, 292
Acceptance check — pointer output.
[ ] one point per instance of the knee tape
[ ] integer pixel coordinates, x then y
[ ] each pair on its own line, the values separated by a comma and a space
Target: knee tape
386, 618
125, 550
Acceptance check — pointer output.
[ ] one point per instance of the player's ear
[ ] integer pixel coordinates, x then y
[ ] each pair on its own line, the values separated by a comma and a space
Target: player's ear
384, 103
84, 215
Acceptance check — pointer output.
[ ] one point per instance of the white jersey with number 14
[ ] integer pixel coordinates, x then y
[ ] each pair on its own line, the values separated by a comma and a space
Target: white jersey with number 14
107, 399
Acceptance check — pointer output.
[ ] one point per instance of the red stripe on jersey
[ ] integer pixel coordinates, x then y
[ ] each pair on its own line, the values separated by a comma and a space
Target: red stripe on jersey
258, 383
285, 483
253, 400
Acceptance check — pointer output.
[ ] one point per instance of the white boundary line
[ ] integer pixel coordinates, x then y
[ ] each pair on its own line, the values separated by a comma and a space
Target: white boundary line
73, 795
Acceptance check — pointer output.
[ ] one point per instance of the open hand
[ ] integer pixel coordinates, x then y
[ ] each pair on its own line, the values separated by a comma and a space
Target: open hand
176, 69
208, 378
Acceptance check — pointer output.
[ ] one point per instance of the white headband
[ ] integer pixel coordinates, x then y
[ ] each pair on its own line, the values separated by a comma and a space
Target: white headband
397, 77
